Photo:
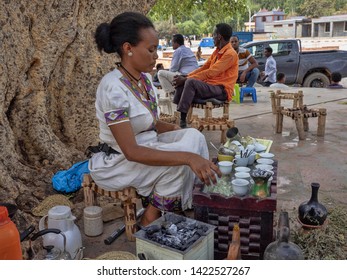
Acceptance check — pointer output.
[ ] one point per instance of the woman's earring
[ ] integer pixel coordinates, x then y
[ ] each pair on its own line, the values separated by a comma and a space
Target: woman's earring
130, 54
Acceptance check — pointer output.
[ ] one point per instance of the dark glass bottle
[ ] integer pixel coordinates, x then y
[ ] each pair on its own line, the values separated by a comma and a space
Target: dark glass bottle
313, 213
282, 248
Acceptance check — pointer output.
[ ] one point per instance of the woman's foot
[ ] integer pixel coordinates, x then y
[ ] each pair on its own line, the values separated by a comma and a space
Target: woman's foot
151, 214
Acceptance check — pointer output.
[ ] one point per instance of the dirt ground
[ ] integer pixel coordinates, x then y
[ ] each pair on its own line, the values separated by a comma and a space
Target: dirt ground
300, 162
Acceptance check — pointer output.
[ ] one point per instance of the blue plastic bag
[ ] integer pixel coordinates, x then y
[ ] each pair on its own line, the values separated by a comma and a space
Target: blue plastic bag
68, 181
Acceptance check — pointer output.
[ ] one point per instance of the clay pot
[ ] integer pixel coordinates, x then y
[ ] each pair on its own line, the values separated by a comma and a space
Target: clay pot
313, 213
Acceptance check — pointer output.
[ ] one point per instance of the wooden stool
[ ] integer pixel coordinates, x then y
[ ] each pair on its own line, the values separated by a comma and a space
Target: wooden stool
175, 118
221, 124
208, 107
297, 97
128, 196
300, 116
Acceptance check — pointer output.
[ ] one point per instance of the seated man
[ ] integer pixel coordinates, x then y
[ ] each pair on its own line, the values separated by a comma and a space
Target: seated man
336, 78
159, 67
281, 79
248, 66
215, 79
182, 63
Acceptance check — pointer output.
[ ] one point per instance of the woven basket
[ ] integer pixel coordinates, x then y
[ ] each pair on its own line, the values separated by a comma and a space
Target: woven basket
117, 255
49, 202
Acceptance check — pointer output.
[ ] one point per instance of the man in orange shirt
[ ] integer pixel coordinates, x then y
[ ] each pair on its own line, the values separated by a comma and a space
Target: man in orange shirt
215, 79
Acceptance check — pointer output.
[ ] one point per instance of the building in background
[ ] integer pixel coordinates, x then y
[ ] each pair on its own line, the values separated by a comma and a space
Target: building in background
264, 16
303, 27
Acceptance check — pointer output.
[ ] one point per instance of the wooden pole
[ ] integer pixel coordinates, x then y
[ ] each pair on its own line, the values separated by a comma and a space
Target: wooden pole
321, 122
298, 117
306, 124
273, 105
130, 218
279, 119
301, 98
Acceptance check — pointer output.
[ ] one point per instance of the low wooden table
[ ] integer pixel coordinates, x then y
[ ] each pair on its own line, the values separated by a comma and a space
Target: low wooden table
255, 217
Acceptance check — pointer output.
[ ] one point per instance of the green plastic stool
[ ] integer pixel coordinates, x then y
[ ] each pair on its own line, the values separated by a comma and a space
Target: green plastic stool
236, 96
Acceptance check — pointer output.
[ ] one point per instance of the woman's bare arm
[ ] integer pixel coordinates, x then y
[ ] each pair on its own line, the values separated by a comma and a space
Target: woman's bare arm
125, 138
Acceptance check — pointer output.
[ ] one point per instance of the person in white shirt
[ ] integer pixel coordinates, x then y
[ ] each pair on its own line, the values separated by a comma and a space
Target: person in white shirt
183, 62
269, 75
281, 79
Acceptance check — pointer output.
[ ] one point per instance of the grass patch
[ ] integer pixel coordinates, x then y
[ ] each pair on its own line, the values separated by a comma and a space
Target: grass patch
326, 243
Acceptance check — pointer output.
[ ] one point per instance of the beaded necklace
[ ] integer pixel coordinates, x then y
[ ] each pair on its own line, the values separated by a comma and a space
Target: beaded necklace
138, 82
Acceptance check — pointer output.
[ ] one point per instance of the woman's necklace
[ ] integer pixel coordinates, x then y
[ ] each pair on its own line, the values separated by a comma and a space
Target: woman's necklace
138, 81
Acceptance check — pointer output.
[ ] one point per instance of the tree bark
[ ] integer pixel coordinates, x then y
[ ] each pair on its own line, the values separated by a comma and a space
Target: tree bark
49, 72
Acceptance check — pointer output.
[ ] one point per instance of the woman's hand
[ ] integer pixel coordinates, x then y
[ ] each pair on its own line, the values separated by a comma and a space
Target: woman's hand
205, 169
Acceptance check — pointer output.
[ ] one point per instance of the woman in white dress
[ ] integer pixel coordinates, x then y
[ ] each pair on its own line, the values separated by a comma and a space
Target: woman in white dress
159, 159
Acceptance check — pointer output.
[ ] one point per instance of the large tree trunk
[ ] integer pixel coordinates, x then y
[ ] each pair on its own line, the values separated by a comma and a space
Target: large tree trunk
49, 71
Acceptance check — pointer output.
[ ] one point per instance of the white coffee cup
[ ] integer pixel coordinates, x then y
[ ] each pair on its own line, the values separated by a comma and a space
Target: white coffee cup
266, 155
240, 186
265, 167
243, 175
239, 161
225, 167
242, 169
265, 161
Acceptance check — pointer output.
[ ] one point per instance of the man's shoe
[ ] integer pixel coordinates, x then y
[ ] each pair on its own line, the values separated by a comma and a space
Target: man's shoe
183, 124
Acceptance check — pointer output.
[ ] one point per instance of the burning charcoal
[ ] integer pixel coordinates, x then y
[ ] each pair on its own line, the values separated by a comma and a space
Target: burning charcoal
174, 219
180, 226
172, 229
165, 225
152, 229
176, 232
191, 225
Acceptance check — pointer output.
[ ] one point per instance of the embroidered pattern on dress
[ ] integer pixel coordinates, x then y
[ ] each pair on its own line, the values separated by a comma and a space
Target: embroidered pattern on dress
150, 104
169, 204
115, 116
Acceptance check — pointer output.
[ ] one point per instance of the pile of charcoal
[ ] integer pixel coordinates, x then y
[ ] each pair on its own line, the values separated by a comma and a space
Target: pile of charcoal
176, 232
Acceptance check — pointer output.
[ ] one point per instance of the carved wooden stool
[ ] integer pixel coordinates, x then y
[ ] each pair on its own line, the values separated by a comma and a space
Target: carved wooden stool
300, 116
221, 124
128, 196
277, 96
175, 118
208, 106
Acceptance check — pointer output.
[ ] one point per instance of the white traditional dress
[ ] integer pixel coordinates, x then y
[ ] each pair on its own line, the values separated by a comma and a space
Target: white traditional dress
165, 187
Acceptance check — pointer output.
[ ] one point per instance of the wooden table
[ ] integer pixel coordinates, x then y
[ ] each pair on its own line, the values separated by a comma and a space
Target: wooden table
254, 216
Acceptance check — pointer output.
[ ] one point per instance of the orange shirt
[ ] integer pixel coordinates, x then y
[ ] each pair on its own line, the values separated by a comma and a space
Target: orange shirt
220, 69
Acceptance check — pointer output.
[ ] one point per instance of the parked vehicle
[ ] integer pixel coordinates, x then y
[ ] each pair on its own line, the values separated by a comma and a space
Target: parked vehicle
206, 42
305, 68
161, 48
244, 37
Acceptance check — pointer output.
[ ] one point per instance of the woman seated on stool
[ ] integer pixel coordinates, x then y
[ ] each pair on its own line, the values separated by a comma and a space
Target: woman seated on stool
159, 159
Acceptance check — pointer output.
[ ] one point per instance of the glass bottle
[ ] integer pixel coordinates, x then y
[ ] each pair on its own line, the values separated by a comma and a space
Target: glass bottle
313, 213
282, 248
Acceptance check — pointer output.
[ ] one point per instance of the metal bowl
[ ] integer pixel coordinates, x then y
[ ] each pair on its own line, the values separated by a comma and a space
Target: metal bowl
11, 208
